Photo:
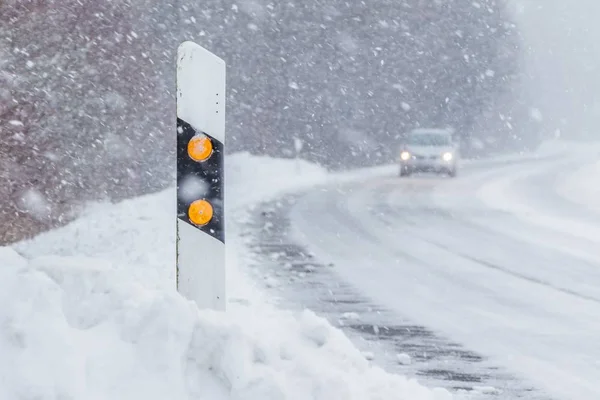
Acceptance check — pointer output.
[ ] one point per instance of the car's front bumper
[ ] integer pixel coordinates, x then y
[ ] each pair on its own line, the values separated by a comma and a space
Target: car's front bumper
428, 164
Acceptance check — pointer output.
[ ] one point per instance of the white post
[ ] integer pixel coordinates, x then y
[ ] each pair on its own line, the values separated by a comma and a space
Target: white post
200, 171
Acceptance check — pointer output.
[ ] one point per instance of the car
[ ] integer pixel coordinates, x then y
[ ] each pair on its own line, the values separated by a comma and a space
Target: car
429, 150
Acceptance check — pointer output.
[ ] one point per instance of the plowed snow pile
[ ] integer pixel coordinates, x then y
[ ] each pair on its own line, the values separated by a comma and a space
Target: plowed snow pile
89, 311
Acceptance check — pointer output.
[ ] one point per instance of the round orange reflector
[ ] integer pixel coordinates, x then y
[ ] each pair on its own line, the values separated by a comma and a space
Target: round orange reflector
200, 148
200, 212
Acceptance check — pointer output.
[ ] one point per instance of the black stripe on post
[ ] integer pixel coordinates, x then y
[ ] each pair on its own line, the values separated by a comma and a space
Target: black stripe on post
200, 180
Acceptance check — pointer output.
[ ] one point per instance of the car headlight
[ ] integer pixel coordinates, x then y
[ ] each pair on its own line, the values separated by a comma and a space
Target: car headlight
447, 156
405, 156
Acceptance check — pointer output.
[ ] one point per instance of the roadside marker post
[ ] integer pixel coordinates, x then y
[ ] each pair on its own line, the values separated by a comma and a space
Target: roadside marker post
200, 239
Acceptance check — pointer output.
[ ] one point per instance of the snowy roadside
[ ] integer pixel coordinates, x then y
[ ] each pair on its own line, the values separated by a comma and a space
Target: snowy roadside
581, 186
89, 311
298, 176
577, 186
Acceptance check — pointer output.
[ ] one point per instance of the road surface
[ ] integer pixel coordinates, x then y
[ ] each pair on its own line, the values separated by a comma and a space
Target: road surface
495, 259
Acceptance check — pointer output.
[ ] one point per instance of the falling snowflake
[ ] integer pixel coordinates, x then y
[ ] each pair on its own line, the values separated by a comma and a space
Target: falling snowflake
536, 115
34, 203
192, 188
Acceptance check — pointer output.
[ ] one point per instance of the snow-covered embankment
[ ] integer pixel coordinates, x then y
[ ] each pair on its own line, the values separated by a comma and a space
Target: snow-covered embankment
89, 311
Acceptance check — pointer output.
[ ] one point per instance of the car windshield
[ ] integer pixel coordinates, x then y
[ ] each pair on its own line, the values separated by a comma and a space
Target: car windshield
428, 139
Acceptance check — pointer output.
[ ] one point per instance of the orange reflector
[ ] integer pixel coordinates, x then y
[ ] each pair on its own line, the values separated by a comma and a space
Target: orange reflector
200, 212
200, 148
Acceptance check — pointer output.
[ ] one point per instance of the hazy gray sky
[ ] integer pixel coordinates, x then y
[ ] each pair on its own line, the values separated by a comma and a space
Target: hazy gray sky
563, 59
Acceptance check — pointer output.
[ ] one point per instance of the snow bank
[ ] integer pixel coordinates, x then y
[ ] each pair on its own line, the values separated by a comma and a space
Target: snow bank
547, 150
80, 328
252, 178
577, 185
581, 186
564, 228
89, 311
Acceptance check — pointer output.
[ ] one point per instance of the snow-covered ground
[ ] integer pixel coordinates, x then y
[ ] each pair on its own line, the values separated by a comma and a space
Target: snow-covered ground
582, 185
89, 311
